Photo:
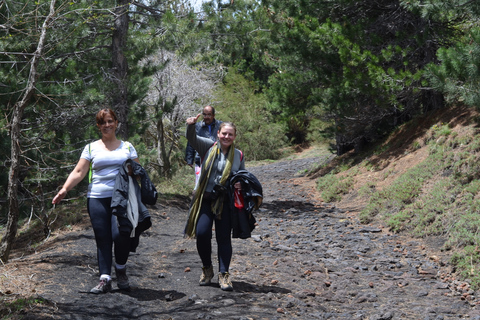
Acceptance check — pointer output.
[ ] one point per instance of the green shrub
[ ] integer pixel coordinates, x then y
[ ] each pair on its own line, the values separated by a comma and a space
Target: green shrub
258, 135
11, 308
367, 189
181, 184
428, 214
441, 130
467, 261
332, 187
416, 145
465, 231
399, 194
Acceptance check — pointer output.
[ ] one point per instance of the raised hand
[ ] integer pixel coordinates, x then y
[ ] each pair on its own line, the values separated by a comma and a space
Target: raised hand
193, 120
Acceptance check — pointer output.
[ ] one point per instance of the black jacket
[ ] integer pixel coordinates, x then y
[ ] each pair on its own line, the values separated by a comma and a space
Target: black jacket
146, 194
243, 221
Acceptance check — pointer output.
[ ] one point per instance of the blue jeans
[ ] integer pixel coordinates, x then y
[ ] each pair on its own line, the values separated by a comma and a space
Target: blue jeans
105, 228
223, 233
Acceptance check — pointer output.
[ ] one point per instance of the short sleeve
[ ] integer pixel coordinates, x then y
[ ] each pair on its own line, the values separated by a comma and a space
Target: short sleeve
86, 153
133, 152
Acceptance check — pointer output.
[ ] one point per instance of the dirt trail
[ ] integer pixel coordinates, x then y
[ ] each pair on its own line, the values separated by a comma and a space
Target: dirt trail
305, 260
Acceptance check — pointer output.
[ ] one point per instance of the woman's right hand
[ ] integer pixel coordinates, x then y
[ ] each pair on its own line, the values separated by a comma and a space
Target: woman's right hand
60, 195
80, 171
193, 120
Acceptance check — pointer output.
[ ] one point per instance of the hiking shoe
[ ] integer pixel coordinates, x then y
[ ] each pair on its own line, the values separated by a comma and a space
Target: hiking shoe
122, 279
207, 275
103, 286
224, 281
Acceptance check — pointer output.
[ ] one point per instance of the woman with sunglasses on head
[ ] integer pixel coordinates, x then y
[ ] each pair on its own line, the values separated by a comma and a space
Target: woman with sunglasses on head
103, 159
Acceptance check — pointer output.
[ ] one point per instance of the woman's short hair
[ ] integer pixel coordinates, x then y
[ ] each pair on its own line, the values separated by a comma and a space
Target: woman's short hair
100, 118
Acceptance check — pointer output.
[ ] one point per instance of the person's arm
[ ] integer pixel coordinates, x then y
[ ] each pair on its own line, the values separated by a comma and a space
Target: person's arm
74, 178
133, 153
200, 144
238, 185
242, 164
189, 154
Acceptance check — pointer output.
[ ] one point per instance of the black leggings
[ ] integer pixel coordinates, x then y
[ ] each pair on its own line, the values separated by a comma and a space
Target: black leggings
222, 235
105, 227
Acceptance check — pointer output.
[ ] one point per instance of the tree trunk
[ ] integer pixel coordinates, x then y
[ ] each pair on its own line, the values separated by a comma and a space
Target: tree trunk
120, 67
12, 219
160, 143
162, 156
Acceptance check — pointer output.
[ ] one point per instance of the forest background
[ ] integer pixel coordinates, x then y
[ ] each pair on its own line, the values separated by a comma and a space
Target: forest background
346, 74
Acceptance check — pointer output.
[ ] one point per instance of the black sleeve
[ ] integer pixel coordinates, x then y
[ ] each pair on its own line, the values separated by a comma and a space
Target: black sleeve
189, 154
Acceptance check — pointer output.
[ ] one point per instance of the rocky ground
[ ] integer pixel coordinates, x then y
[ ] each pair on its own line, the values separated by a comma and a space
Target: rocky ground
305, 260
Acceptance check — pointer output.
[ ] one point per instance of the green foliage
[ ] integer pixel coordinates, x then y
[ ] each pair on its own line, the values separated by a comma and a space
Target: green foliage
439, 197
428, 214
367, 189
361, 70
333, 186
456, 72
401, 193
441, 130
258, 136
325, 75
180, 185
458, 76
21, 304
233, 34
467, 261
74, 82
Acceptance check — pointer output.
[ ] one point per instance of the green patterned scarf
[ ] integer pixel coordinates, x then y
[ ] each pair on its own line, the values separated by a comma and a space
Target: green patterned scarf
217, 205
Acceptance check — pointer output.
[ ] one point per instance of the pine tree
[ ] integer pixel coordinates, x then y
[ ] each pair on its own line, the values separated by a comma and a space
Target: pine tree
360, 61
74, 77
456, 74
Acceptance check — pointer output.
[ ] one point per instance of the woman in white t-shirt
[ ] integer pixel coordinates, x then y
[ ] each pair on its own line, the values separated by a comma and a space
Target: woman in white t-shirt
104, 158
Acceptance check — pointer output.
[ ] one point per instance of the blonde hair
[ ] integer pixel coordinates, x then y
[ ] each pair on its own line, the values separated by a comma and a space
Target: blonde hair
229, 124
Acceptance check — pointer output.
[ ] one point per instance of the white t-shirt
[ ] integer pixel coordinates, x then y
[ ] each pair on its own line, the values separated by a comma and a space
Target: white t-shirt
105, 167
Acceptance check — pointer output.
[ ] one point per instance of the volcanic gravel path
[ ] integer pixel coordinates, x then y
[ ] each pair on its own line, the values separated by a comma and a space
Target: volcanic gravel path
305, 260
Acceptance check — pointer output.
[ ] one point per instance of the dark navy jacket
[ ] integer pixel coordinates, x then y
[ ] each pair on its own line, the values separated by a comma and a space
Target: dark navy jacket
146, 194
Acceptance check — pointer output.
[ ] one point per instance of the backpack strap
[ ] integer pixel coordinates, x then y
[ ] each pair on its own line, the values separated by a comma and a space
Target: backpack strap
90, 172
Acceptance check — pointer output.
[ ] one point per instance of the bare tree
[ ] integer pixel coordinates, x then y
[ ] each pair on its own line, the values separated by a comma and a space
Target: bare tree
17, 114
178, 91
